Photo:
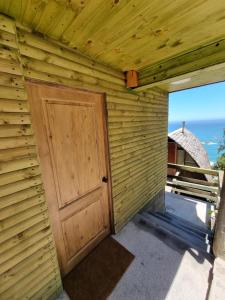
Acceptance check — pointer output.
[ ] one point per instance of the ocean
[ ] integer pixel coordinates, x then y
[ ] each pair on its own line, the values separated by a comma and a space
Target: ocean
209, 132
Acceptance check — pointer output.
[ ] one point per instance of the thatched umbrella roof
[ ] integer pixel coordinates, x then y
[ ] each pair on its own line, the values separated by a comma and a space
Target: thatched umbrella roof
191, 144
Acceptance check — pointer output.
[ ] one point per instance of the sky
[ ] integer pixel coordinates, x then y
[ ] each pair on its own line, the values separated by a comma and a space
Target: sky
202, 103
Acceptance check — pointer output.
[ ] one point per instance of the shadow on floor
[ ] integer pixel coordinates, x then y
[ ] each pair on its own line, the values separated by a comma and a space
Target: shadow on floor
163, 268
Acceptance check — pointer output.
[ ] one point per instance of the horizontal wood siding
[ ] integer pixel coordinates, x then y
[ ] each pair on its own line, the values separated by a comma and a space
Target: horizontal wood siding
137, 123
137, 134
137, 128
28, 262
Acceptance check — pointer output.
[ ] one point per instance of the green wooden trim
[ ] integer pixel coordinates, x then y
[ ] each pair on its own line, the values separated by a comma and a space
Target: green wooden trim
207, 58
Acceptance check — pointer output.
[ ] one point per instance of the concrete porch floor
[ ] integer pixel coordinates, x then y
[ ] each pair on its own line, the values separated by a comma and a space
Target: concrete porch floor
198, 212
164, 268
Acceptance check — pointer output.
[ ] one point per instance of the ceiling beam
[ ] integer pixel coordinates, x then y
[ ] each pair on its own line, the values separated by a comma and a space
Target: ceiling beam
200, 66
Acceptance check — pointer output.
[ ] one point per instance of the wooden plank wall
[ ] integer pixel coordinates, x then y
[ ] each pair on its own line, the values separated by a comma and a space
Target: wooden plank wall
28, 263
137, 122
138, 149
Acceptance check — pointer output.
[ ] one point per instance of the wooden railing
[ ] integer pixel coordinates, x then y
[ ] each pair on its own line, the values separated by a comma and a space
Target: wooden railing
183, 184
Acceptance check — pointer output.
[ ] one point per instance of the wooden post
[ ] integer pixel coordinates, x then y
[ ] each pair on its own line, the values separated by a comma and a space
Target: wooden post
219, 237
132, 79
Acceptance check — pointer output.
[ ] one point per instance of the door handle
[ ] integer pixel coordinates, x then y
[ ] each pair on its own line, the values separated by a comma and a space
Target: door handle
104, 179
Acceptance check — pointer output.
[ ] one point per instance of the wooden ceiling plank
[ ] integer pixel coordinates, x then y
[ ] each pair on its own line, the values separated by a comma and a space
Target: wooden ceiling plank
158, 48
138, 21
58, 27
109, 27
38, 16
16, 9
111, 44
128, 34
50, 13
167, 44
32, 12
81, 24
76, 5
127, 13
5, 5
122, 34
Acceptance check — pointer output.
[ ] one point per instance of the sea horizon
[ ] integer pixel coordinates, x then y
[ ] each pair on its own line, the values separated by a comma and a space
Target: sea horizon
208, 131
197, 120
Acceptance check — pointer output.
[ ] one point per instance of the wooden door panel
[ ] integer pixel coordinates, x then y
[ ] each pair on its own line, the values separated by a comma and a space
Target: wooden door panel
77, 172
69, 127
82, 231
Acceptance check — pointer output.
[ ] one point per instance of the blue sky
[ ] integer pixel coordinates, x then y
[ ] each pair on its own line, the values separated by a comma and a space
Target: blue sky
202, 103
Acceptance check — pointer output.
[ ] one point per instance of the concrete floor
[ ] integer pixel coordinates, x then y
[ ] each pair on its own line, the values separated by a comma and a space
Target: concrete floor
196, 211
63, 296
163, 268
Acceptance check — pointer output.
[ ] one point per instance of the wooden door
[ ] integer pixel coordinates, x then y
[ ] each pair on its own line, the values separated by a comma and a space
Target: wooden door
172, 157
69, 127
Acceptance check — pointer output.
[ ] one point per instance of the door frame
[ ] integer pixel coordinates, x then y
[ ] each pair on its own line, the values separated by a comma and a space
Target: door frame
106, 140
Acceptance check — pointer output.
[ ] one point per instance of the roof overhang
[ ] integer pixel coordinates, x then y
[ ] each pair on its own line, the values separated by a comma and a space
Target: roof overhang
173, 45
